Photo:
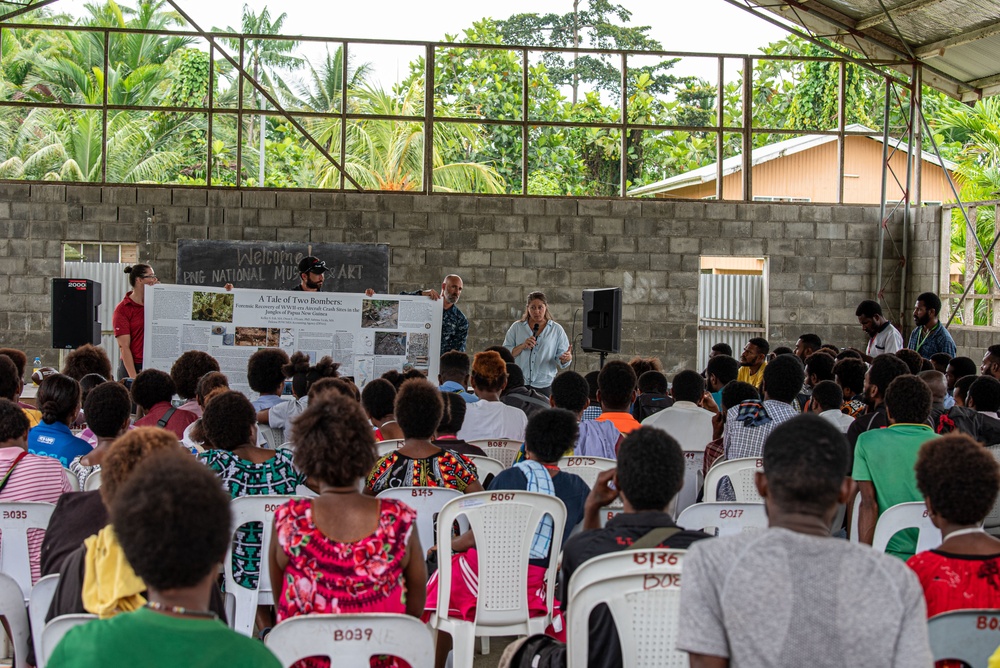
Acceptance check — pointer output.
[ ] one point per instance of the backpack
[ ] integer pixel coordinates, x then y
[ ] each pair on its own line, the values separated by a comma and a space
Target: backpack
650, 403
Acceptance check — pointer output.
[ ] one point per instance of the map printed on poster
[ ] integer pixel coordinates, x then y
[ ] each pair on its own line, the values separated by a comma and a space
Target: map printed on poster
366, 335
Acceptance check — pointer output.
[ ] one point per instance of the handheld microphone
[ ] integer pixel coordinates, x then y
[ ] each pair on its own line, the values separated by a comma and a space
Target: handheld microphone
534, 332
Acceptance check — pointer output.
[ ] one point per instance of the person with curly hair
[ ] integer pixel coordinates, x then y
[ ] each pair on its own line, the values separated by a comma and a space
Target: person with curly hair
959, 480
87, 359
303, 375
186, 371
108, 408
266, 376
152, 391
210, 385
12, 382
490, 417
245, 470
59, 401
343, 552
418, 462
171, 522
452, 419
378, 399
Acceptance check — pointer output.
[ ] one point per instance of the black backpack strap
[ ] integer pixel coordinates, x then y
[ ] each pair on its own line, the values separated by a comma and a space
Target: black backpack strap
162, 422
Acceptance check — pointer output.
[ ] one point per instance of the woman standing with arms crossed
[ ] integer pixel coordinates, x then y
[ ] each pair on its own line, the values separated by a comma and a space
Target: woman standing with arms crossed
539, 345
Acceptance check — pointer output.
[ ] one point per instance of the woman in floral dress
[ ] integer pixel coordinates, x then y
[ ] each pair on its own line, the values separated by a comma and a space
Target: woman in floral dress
343, 552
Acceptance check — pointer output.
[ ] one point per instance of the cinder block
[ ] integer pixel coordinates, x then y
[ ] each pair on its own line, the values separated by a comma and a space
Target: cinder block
528, 206
224, 198
593, 207
84, 195
273, 217
189, 197
308, 217
47, 193
685, 245
831, 230
411, 221
561, 207
736, 228
507, 259
15, 191
326, 236
395, 202
155, 196
511, 224
259, 199
538, 260
292, 200
250, 218
495, 205
611, 226
720, 211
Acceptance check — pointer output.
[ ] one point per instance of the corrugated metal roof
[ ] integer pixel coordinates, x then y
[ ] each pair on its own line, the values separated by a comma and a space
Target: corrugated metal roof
957, 41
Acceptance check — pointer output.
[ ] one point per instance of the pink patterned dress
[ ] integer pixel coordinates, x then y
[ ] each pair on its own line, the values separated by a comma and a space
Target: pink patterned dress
324, 576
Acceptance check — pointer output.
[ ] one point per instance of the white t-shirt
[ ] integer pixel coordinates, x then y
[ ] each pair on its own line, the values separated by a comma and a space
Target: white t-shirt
280, 415
887, 341
492, 419
780, 599
841, 421
686, 421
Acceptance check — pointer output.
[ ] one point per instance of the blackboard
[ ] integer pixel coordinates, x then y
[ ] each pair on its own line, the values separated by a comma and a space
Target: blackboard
268, 265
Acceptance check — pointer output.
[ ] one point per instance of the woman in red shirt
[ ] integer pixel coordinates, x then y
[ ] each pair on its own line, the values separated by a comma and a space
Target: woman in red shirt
129, 320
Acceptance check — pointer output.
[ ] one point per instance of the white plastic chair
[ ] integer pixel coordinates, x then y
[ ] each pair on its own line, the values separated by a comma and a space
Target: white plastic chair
38, 606
12, 607
694, 461
741, 474
93, 481
273, 437
504, 524
385, 447
351, 640
55, 630
251, 509
428, 502
504, 450
992, 521
587, 468
608, 512
964, 635
642, 590
723, 518
486, 466
74, 482
15, 520
902, 516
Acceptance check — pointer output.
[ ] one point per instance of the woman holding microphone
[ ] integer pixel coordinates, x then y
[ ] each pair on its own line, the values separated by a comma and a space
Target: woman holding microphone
539, 345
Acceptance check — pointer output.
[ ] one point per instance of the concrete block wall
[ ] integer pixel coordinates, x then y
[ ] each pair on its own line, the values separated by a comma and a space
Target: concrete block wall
821, 259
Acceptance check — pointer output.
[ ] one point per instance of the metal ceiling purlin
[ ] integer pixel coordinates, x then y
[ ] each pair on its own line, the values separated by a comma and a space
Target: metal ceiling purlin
25, 7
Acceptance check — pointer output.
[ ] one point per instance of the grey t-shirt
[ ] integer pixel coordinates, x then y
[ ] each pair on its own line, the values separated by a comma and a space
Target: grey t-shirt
777, 598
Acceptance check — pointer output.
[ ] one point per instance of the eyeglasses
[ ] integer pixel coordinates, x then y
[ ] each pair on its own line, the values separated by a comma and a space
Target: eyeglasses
152, 276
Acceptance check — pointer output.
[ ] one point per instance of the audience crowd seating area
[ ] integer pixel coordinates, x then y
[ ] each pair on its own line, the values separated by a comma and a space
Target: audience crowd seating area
825, 506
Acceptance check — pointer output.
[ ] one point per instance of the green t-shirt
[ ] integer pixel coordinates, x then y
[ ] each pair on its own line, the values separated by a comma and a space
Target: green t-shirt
886, 457
153, 640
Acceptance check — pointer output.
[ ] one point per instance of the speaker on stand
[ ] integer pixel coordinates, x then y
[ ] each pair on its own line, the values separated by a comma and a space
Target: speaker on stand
75, 316
602, 321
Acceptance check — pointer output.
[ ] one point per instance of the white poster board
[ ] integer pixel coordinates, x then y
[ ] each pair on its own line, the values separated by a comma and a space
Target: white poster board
366, 335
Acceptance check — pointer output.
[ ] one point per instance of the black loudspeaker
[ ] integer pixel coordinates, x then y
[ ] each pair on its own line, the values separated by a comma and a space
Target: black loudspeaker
75, 319
602, 320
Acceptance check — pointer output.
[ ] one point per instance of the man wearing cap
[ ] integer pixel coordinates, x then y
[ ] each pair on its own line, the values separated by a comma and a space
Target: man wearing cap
312, 271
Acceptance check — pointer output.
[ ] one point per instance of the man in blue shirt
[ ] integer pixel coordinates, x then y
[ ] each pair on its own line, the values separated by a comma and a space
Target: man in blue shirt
454, 374
454, 324
929, 335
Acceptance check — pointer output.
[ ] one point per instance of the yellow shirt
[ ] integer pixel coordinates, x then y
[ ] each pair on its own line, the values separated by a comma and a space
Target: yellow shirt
756, 379
34, 416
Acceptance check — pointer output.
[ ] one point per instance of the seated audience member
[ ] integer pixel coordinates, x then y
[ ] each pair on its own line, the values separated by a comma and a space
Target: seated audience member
266, 376
88, 383
593, 411
652, 397
210, 385
941, 361
649, 475
641, 365
342, 386
961, 390
827, 399
959, 480
964, 419
186, 371
453, 375
87, 359
806, 345
733, 394
799, 615
597, 438
452, 419
394, 377
171, 522
686, 420
818, 367
882, 371
935, 380
912, 358
958, 367
721, 370
849, 373
245, 470
780, 350
343, 552
59, 401
721, 349
108, 409
489, 417
378, 399
750, 423
616, 392
984, 396
991, 362
11, 386
753, 361
28, 477
303, 375
152, 391
503, 351
516, 394
549, 435
418, 462
884, 459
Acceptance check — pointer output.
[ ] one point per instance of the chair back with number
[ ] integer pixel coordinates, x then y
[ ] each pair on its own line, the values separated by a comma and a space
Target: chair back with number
54, 631
642, 590
504, 524
741, 474
16, 518
723, 518
912, 515
93, 481
74, 482
504, 450
587, 468
992, 521
964, 635
12, 608
350, 641
428, 502
387, 446
247, 509
486, 466
38, 606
